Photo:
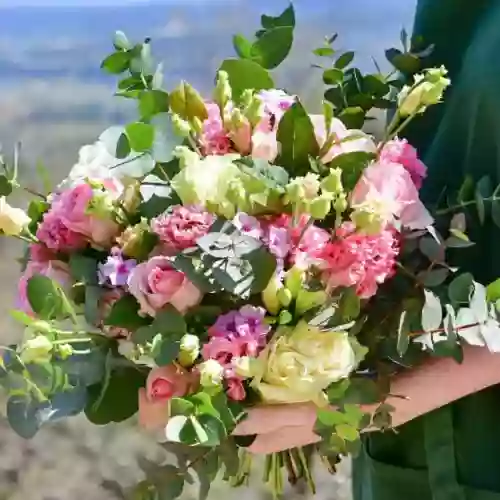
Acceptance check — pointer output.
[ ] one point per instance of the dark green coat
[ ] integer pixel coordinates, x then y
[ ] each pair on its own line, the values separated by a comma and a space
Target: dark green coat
452, 453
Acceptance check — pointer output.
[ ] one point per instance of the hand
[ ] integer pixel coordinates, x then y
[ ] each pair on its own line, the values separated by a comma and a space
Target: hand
436, 383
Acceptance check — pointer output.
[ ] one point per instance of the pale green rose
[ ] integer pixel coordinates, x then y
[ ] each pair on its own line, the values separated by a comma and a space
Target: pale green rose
208, 182
301, 363
189, 349
211, 374
37, 350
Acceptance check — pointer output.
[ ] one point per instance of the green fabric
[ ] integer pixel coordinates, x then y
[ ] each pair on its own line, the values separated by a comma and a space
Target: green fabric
452, 453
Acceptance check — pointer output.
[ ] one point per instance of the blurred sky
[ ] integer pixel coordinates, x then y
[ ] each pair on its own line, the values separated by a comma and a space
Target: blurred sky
94, 3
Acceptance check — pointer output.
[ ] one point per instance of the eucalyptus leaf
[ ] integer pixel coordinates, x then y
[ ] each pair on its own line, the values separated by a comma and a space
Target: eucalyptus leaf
432, 312
273, 46
245, 74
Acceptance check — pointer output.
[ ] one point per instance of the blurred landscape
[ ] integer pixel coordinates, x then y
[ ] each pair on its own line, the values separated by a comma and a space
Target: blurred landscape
54, 98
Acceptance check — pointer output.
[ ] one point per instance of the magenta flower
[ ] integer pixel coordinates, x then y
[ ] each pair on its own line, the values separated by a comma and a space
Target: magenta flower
214, 138
116, 269
57, 236
182, 226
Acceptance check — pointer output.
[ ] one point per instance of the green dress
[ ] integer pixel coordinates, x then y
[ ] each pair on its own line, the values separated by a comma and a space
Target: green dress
452, 453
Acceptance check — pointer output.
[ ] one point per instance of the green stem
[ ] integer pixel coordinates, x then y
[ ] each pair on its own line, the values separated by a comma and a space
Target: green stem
307, 471
453, 208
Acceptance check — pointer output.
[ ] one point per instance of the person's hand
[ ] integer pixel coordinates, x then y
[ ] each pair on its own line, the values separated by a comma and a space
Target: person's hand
436, 383
279, 427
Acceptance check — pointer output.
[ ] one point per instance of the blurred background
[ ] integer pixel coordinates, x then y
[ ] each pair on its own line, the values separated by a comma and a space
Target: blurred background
54, 98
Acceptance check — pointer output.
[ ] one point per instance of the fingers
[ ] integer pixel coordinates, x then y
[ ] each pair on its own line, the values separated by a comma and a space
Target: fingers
271, 418
283, 439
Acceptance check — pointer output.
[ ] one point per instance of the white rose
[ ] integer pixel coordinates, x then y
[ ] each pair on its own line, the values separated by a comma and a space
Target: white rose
211, 374
301, 364
12, 220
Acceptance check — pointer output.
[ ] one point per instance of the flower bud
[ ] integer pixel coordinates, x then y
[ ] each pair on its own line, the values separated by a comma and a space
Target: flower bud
189, 351
333, 181
307, 300
211, 374
285, 297
320, 207
223, 92
131, 197
37, 350
12, 220
270, 296
133, 240
181, 127
65, 351
254, 110
294, 280
186, 102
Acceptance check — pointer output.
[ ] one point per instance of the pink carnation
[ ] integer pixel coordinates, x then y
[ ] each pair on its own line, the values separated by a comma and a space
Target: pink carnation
180, 228
360, 260
389, 187
54, 269
55, 235
401, 151
156, 283
214, 138
72, 208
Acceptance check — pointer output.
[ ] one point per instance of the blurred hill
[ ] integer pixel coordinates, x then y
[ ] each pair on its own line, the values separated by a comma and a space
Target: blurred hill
54, 97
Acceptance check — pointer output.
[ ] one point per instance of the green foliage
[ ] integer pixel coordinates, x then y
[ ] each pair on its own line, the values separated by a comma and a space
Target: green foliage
298, 140
273, 42
152, 102
352, 166
125, 314
246, 74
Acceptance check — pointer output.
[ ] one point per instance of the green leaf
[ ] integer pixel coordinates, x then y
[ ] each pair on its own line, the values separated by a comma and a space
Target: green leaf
347, 432
153, 102
344, 60
167, 352
459, 290
93, 295
352, 117
432, 312
121, 42
361, 390
245, 74
330, 417
352, 166
174, 428
434, 277
116, 63
403, 334
122, 146
140, 135
286, 18
495, 211
170, 322
22, 414
120, 398
324, 52
482, 192
434, 251
125, 314
333, 76
45, 297
83, 269
493, 291
242, 46
273, 46
349, 305
5, 186
213, 429
298, 140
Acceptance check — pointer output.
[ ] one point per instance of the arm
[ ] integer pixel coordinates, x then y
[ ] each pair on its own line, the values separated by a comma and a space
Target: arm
428, 387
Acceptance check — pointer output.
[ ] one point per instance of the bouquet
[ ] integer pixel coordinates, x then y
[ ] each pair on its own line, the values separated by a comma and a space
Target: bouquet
219, 254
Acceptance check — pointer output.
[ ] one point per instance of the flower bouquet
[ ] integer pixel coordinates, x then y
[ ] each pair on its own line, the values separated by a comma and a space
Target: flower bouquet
216, 255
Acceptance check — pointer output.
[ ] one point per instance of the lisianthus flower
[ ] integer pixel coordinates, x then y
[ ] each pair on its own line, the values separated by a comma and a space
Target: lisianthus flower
401, 151
181, 226
361, 260
214, 138
116, 269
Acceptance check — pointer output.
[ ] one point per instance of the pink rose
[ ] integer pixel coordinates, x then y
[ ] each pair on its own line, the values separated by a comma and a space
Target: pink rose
401, 151
73, 207
345, 140
224, 350
163, 384
390, 187
54, 269
179, 228
235, 389
156, 283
